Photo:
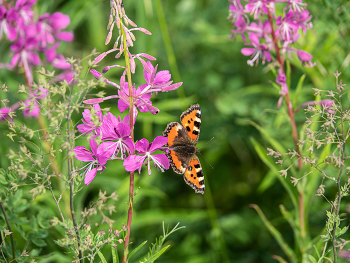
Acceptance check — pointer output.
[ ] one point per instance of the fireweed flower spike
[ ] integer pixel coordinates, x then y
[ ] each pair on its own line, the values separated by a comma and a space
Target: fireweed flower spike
145, 150
96, 160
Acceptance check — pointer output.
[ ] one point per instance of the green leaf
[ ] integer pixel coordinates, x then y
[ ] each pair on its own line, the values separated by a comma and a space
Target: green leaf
42, 220
277, 235
39, 242
3, 180
33, 223
297, 90
341, 231
21, 206
267, 182
136, 249
41, 233
312, 259
158, 254
21, 231
102, 257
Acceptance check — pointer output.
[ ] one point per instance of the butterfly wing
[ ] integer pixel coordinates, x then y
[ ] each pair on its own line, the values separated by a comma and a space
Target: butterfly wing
193, 175
191, 121
177, 137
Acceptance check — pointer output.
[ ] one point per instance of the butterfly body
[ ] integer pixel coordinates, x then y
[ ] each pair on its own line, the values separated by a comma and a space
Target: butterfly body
182, 140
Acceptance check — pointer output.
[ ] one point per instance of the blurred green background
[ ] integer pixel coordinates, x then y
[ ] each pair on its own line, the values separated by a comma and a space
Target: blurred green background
190, 38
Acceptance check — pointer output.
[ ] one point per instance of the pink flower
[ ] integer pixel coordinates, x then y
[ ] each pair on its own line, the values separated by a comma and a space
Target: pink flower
117, 135
96, 160
327, 104
256, 7
145, 150
287, 27
88, 125
6, 19
258, 50
4, 113
305, 58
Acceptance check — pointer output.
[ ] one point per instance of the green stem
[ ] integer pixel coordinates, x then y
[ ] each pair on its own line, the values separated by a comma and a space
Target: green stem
9, 227
71, 180
342, 149
132, 178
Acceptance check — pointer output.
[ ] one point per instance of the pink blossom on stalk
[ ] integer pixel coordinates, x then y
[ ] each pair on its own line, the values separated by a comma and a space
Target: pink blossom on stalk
305, 58
24, 10
25, 53
258, 50
141, 100
7, 17
4, 113
116, 133
327, 104
287, 26
88, 125
256, 7
296, 5
145, 150
29, 111
236, 11
96, 160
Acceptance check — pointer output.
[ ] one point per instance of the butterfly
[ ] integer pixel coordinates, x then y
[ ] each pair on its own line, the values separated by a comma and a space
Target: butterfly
182, 140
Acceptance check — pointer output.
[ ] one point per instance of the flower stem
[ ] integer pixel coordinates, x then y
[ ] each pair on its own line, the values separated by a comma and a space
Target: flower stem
132, 178
71, 179
339, 197
9, 227
288, 102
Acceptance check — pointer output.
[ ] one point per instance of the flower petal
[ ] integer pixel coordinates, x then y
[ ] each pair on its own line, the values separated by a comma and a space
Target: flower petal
158, 142
83, 154
133, 162
90, 175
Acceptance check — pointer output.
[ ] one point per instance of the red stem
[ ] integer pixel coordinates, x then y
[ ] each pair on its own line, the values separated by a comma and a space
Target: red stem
288, 102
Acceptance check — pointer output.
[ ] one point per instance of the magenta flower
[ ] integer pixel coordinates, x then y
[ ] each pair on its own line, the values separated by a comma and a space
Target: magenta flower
32, 109
256, 7
7, 17
145, 149
141, 100
327, 104
25, 52
258, 50
24, 9
96, 160
287, 27
51, 28
4, 113
117, 135
305, 58
88, 125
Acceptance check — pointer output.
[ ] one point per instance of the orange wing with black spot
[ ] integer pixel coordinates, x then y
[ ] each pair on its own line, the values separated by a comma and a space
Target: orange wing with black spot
177, 137
193, 175
182, 140
191, 121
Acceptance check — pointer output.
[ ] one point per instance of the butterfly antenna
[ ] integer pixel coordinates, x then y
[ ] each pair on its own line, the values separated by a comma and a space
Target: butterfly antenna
205, 144
202, 154
206, 159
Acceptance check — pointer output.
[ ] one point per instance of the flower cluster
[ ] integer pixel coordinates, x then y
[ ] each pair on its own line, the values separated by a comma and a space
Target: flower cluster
270, 32
116, 144
31, 37
115, 133
33, 41
267, 29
